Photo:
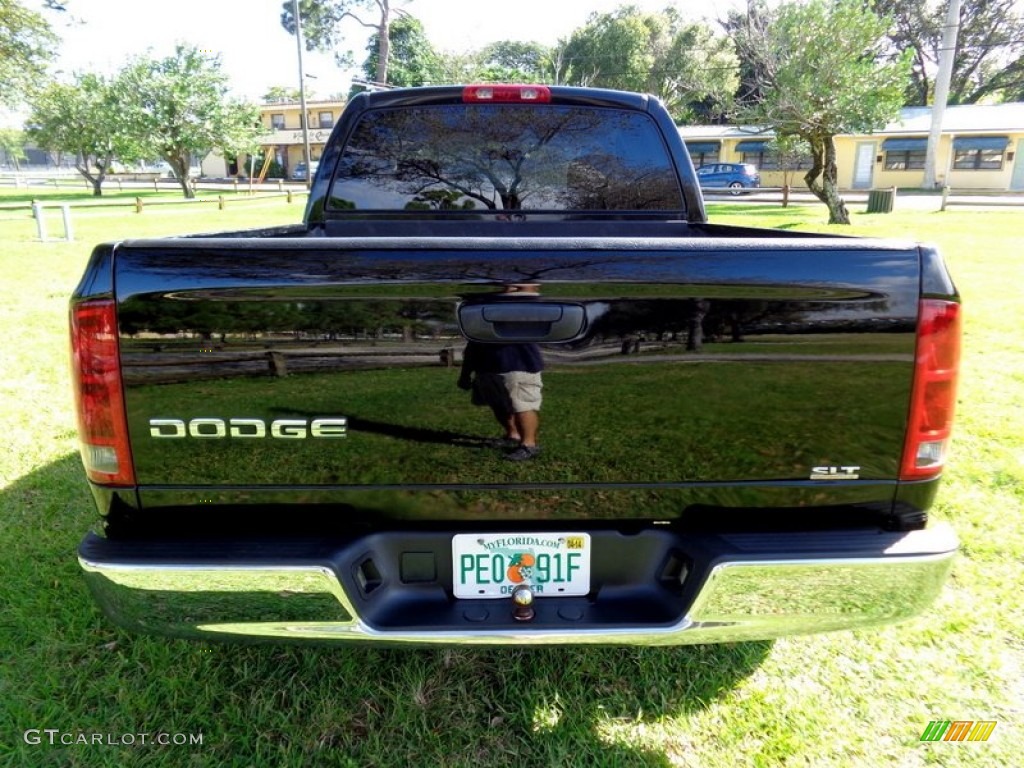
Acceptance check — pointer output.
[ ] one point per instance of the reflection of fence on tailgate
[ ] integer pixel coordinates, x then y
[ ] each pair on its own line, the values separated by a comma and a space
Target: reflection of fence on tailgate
173, 367
159, 367
176, 367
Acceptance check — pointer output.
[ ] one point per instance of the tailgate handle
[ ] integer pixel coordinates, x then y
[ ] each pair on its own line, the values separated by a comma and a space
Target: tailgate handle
522, 322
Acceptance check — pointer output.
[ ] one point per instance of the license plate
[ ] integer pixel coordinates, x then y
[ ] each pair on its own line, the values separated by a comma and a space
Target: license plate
489, 565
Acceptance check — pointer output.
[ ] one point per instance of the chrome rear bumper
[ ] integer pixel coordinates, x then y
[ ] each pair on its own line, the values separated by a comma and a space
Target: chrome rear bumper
748, 591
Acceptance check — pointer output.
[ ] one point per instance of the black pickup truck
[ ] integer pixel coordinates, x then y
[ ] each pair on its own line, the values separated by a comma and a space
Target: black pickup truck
506, 384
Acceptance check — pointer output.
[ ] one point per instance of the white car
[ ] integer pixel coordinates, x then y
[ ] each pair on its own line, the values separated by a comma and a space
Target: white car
299, 174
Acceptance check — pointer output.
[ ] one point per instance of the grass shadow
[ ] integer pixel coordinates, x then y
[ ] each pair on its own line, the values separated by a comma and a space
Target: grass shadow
67, 668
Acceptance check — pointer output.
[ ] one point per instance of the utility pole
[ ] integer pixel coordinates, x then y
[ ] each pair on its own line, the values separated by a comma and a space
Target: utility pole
302, 93
945, 74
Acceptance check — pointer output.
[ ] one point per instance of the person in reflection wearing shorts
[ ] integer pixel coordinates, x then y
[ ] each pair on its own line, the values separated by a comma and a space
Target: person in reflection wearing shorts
507, 379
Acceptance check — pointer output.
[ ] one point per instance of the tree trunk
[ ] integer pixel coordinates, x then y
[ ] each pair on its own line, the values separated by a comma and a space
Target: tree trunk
383, 42
180, 165
823, 176
186, 187
96, 181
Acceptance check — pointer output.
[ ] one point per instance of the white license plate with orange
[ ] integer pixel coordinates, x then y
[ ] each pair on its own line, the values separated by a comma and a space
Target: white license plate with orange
487, 565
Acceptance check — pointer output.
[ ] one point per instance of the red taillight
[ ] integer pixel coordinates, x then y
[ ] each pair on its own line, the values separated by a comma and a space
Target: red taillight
96, 372
506, 94
933, 396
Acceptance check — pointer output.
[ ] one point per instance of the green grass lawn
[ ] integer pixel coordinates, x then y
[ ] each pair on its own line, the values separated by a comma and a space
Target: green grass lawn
845, 699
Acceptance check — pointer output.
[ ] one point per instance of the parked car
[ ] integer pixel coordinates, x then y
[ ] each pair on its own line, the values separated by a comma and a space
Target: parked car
300, 173
734, 176
167, 172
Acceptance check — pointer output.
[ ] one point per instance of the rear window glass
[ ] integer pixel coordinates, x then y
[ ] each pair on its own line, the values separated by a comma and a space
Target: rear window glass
498, 157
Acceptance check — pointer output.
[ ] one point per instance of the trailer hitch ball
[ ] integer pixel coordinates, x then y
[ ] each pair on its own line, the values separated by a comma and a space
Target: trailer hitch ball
522, 597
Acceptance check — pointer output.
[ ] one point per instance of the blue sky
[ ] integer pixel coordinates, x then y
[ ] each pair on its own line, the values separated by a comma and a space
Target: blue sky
257, 53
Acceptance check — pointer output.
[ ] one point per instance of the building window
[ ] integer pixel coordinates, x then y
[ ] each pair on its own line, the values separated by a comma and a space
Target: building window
769, 161
978, 160
326, 119
979, 153
904, 160
753, 152
759, 152
904, 153
703, 152
762, 160
703, 158
277, 122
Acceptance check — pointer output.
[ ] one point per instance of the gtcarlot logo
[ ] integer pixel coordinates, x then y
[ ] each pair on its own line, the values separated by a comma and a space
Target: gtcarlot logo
57, 737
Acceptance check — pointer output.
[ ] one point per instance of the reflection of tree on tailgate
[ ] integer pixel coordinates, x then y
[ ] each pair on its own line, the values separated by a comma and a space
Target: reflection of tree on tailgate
331, 319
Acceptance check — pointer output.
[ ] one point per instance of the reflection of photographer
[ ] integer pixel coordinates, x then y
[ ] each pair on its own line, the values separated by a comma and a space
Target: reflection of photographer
507, 379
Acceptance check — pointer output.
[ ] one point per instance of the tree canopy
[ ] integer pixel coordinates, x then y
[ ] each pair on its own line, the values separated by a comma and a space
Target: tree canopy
321, 31
172, 108
989, 59
283, 93
413, 62
12, 143
513, 61
690, 67
815, 84
84, 119
27, 45
684, 64
178, 106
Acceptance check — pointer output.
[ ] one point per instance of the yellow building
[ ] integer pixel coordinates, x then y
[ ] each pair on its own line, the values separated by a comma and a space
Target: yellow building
283, 123
981, 147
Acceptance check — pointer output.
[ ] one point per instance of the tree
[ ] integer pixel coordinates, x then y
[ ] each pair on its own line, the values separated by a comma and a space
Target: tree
503, 61
282, 93
684, 64
790, 153
413, 59
512, 61
320, 20
12, 143
613, 50
698, 74
27, 46
178, 107
457, 67
815, 84
83, 119
989, 59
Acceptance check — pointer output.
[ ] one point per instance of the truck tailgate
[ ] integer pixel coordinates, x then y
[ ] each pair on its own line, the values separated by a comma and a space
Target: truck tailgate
735, 372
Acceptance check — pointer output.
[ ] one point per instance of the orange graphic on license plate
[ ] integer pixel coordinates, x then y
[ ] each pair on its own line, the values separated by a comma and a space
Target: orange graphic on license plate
521, 567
